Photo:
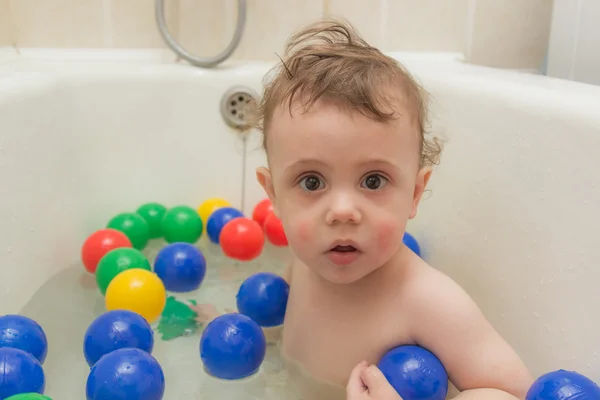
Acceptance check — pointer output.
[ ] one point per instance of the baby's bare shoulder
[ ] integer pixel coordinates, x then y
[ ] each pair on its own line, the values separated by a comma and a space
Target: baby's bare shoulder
436, 300
446, 320
430, 286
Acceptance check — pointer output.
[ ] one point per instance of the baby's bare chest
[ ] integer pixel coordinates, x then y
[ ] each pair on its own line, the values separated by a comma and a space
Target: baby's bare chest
327, 336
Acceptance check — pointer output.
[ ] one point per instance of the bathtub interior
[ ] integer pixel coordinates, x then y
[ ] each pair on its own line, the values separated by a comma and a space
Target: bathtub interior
509, 215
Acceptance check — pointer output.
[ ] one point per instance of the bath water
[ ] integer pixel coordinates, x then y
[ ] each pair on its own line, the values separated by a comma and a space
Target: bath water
69, 301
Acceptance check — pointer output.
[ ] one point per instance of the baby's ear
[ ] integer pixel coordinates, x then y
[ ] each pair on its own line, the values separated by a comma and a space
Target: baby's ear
420, 185
263, 175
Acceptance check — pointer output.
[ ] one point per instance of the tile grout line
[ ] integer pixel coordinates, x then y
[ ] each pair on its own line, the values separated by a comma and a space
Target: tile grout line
471, 10
383, 11
575, 39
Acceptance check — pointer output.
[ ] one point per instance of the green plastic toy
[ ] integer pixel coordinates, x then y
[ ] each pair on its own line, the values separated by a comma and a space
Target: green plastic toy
182, 224
116, 261
177, 319
153, 213
28, 396
134, 226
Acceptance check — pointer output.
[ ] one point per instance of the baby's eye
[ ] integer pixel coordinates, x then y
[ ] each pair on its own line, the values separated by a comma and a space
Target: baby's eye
311, 183
374, 182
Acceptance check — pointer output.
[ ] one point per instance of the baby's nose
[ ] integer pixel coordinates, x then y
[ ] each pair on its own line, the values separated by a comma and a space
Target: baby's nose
343, 210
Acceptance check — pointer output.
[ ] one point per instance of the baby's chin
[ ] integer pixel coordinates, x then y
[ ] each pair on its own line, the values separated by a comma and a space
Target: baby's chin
343, 275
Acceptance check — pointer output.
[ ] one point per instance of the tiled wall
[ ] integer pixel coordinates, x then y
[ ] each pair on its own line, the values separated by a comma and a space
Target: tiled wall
506, 33
575, 41
5, 29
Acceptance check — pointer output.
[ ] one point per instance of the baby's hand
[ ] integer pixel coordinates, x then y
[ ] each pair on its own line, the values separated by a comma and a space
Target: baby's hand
368, 383
207, 312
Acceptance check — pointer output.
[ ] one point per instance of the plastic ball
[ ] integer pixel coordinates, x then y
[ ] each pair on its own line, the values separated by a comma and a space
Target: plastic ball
181, 266
182, 224
137, 290
117, 261
274, 230
563, 385
262, 210
126, 374
219, 219
23, 333
99, 243
410, 241
116, 329
153, 214
232, 346
242, 239
209, 206
263, 297
28, 396
21, 373
415, 373
134, 226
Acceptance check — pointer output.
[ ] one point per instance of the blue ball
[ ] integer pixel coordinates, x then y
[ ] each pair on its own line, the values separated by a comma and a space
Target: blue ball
126, 374
415, 373
114, 330
20, 372
263, 297
563, 385
232, 346
23, 333
218, 219
410, 241
181, 267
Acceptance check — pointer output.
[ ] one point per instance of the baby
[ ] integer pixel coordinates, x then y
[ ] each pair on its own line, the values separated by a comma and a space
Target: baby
348, 161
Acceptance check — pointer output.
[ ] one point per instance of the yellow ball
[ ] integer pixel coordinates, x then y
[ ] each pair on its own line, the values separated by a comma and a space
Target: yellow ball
137, 290
209, 206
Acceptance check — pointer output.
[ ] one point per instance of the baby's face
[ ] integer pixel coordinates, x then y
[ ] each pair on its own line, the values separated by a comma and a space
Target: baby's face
344, 187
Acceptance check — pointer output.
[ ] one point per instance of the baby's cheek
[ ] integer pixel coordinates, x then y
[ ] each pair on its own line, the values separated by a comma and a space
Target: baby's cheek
386, 233
303, 231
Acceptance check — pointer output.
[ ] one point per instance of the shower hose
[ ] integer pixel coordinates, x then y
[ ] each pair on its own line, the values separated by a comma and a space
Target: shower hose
206, 62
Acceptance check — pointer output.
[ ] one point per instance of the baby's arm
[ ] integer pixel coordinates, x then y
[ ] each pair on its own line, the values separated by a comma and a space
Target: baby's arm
478, 360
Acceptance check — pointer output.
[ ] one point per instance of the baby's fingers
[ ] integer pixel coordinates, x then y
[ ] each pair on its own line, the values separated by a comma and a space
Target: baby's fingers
205, 312
377, 385
356, 388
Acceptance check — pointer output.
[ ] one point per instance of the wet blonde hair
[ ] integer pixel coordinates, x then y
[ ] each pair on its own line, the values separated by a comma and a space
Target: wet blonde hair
329, 60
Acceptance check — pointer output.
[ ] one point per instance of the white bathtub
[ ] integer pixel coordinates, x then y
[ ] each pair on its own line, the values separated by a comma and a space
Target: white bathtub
512, 216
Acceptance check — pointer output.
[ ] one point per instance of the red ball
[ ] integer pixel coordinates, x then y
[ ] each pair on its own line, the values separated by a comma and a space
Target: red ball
242, 239
274, 230
261, 211
99, 243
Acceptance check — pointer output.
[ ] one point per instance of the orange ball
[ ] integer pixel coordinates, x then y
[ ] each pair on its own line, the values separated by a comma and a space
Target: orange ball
242, 239
99, 243
261, 211
274, 230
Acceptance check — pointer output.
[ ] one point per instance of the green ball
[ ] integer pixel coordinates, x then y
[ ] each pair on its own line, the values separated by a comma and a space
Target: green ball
153, 213
117, 261
28, 396
134, 226
182, 224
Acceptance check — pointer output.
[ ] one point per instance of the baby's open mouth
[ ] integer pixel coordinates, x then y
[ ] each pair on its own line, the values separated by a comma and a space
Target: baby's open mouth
344, 249
343, 254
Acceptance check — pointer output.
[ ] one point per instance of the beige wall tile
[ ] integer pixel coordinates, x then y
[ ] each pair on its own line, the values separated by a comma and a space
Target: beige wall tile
132, 23
365, 15
426, 25
510, 33
206, 26
5, 23
58, 23
270, 22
